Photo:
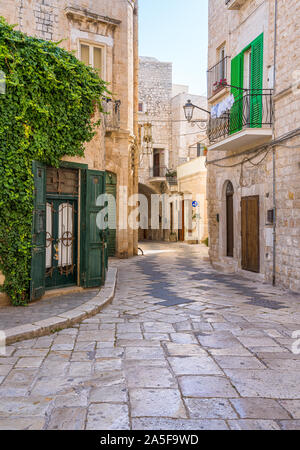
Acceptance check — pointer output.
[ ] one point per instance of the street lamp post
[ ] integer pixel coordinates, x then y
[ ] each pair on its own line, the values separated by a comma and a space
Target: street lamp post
189, 110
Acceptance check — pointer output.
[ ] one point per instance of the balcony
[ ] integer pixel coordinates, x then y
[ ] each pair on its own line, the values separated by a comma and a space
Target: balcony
247, 125
216, 76
111, 109
158, 172
234, 4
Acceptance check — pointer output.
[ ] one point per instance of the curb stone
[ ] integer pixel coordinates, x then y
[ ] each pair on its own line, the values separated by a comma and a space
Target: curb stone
68, 318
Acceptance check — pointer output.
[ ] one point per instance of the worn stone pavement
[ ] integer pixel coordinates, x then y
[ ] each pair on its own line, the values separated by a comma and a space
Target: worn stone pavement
180, 347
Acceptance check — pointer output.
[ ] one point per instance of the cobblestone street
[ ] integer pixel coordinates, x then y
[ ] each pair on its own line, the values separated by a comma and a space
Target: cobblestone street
180, 347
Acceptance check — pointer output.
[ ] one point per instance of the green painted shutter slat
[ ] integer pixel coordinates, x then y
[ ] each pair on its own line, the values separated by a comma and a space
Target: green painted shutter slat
111, 240
38, 255
236, 113
95, 258
257, 50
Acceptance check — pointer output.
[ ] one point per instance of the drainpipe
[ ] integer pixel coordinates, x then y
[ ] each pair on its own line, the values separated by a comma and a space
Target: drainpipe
274, 148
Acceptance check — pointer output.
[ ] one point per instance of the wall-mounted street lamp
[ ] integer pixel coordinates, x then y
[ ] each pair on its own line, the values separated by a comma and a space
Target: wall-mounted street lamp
189, 110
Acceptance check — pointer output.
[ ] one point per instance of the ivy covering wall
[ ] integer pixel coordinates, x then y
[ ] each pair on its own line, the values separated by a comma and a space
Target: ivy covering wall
46, 113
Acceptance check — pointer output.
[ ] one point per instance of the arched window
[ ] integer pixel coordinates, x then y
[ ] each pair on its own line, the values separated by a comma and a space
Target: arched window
229, 219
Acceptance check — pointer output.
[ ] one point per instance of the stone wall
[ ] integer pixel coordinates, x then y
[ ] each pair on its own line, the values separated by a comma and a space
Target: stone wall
192, 181
185, 135
111, 24
155, 92
236, 29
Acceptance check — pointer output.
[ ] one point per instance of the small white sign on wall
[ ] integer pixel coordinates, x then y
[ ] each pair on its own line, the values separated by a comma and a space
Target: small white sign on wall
269, 237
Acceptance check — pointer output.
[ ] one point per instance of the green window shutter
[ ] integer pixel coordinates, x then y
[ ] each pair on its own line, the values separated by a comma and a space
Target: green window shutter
257, 51
94, 252
38, 259
236, 113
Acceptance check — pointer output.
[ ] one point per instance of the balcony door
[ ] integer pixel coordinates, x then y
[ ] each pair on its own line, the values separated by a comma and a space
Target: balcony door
156, 163
229, 219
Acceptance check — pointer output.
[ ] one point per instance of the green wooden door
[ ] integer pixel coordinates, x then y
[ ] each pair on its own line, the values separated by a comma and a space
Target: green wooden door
37, 285
94, 242
236, 113
256, 82
111, 188
61, 242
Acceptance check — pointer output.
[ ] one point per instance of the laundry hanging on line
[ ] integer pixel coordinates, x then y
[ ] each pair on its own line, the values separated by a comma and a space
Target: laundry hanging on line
219, 109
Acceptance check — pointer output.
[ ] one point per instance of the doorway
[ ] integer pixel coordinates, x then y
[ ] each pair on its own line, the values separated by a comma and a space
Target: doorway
61, 243
156, 163
229, 220
250, 233
61, 227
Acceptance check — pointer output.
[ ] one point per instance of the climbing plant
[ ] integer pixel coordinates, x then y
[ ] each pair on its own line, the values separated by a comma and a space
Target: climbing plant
46, 112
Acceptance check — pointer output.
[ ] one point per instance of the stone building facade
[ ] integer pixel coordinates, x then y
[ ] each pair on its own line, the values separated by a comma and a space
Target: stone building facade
253, 155
166, 141
105, 35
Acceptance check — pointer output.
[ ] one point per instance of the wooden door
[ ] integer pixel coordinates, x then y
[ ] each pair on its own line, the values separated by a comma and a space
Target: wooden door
229, 225
156, 165
250, 233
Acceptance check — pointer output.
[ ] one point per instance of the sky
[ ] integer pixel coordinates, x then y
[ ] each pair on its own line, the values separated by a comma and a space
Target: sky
176, 31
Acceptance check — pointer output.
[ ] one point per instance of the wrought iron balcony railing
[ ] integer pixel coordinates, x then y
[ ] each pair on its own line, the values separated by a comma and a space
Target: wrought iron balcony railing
254, 109
216, 76
111, 110
172, 180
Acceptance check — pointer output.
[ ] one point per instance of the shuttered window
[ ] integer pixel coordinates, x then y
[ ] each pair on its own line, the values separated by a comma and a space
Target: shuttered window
256, 82
93, 56
254, 101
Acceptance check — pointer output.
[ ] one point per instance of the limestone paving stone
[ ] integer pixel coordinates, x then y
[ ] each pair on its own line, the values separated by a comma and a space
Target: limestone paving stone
67, 419
158, 423
107, 416
194, 365
252, 424
22, 423
150, 377
292, 406
184, 350
109, 364
206, 386
109, 394
210, 408
265, 383
156, 402
259, 408
144, 353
